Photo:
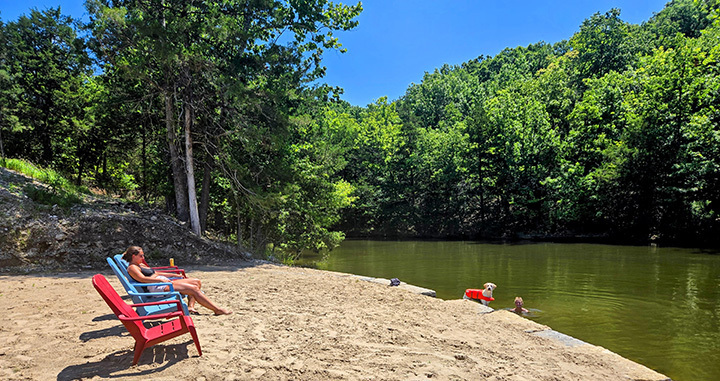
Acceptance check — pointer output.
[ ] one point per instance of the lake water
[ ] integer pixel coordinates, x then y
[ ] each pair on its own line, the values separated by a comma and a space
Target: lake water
657, 306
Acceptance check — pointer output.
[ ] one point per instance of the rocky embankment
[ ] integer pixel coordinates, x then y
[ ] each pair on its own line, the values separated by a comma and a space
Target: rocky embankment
37, 237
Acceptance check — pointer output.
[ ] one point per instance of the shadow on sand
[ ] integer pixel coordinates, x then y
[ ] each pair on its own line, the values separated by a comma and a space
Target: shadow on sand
118, 364
118, 330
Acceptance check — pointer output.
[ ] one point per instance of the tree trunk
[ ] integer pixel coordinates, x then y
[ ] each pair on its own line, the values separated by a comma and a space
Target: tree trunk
2, 150
260, 239
205, 195
104, 173
482, 192
192, 197
81, 168
239, 231
143, 186
45, 137
251, 232
179, 176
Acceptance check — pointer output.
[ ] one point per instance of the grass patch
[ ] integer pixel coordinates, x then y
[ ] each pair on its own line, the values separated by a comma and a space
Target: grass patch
51, 197
45, 175
61, 191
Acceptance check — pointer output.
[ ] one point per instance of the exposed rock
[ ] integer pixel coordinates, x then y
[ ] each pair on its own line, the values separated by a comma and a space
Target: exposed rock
37, 237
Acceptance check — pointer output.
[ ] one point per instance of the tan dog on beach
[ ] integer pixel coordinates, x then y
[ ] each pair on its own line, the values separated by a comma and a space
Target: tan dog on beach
487, 292
483, 295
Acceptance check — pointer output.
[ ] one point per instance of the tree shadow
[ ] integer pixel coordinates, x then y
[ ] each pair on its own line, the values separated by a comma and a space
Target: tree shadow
87, 271
118, 364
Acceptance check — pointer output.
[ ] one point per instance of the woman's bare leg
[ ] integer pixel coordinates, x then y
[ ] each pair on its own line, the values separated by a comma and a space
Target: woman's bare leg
191, 304
194, 291
191, 299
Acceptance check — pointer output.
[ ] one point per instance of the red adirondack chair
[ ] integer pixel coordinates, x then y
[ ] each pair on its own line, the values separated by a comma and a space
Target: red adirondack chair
145, 337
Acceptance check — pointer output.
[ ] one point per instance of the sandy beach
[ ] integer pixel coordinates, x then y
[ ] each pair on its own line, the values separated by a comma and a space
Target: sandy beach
288, 323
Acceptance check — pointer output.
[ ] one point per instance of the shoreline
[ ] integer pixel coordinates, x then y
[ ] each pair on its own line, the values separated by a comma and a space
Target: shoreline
549, 333
290, 323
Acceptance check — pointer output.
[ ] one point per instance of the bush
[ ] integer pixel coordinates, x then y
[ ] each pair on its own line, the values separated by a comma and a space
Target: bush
51, 197
62, 192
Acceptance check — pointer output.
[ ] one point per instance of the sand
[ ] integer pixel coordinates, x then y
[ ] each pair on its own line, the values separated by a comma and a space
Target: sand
288, 323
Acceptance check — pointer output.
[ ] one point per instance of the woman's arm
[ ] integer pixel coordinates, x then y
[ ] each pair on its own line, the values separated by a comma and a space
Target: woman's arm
168, 275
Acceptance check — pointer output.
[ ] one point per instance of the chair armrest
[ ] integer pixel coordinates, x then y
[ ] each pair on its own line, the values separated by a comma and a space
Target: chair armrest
169, 301
171, 270
148, 317
138, 284
166, 268
164, 293
178, 301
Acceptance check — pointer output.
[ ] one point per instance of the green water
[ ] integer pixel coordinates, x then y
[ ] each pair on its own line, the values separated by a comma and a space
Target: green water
656, 306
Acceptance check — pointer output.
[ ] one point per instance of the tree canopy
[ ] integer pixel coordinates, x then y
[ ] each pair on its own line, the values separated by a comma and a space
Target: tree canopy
217, 110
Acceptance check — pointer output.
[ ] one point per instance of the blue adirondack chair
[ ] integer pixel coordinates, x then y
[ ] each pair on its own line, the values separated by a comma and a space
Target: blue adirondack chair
138, 294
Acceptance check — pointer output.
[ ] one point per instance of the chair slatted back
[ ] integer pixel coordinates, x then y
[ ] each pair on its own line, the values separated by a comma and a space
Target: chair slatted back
124, 279
122, 265
120, 261
134, 288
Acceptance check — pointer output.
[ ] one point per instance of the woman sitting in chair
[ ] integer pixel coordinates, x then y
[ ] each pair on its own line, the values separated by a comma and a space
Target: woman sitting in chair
139, 271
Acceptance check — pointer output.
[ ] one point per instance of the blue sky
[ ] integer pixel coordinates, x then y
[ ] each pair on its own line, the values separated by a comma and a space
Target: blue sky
397, 41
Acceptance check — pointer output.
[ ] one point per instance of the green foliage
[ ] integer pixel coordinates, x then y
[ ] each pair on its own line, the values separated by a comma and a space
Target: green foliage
601, 135
238, 86
612, 133
685, 17
47, 63
54, 196
59, 191
45, 175
604, 44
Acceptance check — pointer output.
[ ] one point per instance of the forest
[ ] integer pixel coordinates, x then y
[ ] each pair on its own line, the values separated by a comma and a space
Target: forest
217, 112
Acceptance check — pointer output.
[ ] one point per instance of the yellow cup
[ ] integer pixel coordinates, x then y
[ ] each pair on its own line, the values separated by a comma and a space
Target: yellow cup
172, 262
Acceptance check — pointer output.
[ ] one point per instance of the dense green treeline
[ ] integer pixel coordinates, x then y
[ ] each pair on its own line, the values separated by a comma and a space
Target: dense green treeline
201, 105
613, 133
214, 108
